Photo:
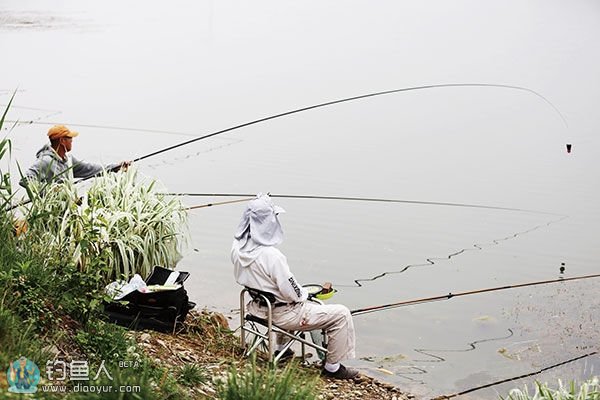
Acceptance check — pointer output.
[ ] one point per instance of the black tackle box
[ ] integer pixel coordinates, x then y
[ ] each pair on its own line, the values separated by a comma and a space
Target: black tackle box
162, 310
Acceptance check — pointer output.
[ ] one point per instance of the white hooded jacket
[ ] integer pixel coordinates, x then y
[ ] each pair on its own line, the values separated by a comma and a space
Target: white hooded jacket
258, 264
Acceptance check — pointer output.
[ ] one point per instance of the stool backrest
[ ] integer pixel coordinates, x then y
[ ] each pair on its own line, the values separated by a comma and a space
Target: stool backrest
260, 295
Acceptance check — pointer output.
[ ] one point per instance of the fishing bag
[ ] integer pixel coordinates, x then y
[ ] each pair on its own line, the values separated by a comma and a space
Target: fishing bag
162, 311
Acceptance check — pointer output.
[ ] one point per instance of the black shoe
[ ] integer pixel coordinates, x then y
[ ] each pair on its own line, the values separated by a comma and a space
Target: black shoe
341, 373
287, 355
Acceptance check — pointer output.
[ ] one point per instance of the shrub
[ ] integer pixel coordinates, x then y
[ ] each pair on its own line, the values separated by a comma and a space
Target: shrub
122, 226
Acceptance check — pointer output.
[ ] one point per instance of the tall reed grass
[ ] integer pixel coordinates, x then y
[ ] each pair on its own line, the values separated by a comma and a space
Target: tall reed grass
121, 227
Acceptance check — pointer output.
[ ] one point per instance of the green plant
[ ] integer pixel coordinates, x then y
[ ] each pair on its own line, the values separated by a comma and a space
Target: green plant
191, 375
589, 390
104, 341
291, 383
6, 192
18, 339
121, 228
140, 227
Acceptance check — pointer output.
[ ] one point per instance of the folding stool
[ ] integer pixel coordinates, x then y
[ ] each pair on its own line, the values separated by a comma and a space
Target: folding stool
260, 332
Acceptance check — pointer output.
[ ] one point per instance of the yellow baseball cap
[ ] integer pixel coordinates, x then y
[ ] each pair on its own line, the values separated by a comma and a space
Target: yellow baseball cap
60, 131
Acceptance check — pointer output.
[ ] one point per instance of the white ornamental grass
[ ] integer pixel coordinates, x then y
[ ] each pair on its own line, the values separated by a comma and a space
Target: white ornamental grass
122, 227
589, 390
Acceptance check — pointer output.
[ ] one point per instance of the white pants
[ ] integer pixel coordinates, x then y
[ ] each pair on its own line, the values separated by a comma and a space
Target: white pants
335, 319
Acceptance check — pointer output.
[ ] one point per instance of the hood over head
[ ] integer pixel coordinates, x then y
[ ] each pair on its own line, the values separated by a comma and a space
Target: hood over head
47, 150
259, 225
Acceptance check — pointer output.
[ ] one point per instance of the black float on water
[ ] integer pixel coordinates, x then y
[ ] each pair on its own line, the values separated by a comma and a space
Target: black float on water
568, 147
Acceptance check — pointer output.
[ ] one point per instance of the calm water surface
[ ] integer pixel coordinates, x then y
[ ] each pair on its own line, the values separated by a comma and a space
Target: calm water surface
197, 67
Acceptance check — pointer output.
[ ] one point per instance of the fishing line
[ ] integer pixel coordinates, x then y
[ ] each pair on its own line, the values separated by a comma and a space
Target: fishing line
175, 160
117, 128
414, 370
430, 260
364, 199
471, 346
36, 120
477, 247
10, 91
449, 396
30, 108
450, 295
348, 99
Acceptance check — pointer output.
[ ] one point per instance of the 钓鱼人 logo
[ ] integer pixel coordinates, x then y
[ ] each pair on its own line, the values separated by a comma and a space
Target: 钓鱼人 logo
23, 376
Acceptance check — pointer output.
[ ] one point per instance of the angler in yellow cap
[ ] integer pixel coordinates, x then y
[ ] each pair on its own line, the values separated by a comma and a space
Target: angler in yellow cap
54, 164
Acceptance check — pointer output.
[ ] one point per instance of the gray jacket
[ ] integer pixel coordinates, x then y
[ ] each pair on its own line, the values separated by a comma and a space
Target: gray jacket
49, 167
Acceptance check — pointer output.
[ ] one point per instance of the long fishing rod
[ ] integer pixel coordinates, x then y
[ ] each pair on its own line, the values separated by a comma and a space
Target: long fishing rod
448, 296
348, 99
248, 196
218, 203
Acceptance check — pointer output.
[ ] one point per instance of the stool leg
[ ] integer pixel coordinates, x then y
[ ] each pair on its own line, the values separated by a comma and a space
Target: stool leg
270, 335
303, 347
242, 320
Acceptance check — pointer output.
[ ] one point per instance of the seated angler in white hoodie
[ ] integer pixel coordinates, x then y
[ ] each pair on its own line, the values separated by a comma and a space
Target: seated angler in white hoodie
258, 264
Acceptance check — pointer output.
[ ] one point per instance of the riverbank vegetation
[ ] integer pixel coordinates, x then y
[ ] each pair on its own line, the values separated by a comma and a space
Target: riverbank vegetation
54, 265
589, 390
57, 253
120, 226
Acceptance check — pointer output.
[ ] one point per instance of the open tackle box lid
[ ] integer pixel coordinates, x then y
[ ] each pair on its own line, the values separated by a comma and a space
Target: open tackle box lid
160, 275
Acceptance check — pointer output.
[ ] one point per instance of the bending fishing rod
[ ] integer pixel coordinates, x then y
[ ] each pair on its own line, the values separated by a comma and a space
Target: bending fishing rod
248, 196
448, 296
348, 99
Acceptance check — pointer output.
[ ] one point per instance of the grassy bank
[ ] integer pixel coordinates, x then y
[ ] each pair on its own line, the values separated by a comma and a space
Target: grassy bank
53, 268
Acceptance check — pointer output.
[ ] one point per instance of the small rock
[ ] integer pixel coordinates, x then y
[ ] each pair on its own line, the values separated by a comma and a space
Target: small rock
209, 389
144, 337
